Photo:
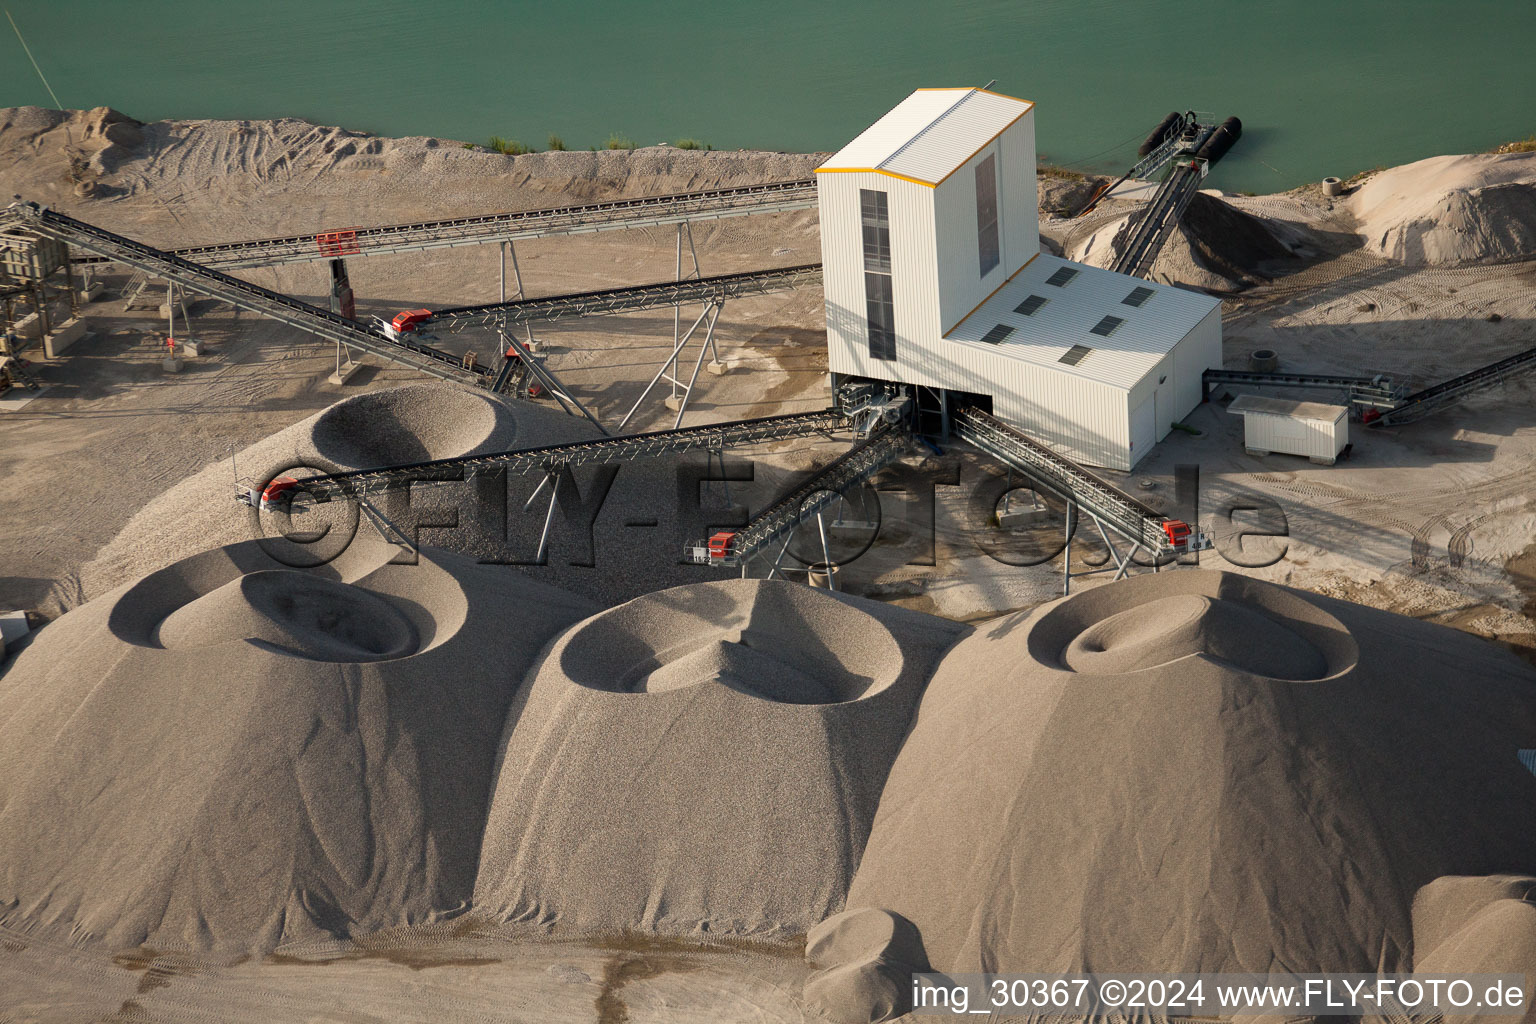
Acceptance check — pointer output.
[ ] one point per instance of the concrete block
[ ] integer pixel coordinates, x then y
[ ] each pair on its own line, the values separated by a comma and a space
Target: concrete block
63, 336
91, 292
171, 364
674, 402
28, 327
13, 627
717, 368
191, 348
347, 372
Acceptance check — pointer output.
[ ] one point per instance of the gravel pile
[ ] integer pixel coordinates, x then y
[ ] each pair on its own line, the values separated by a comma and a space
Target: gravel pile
231, 754
1194, 771
705, 759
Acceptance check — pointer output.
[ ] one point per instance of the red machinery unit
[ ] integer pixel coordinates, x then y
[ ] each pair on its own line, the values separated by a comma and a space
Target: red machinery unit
410, 320
1177, 531
718, 543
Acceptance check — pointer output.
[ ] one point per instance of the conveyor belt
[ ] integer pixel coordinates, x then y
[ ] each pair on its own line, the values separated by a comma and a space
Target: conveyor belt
1063, 478
1376, 391
1163, 213
1422, 403
713, 204
859, 463
605, 450
624, 300
255, 298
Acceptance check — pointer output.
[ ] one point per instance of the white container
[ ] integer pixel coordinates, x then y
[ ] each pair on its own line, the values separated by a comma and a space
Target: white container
1311, 429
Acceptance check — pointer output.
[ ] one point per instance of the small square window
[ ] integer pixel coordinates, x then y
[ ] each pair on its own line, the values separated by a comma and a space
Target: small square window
1061, 277
1029, 306
1104, 328
1075, 354
997, 335
1137, 296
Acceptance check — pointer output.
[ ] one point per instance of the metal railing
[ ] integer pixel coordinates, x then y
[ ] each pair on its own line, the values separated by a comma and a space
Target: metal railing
859, 463
1064, 478
605, 450
627, 299
265, 302
611, 215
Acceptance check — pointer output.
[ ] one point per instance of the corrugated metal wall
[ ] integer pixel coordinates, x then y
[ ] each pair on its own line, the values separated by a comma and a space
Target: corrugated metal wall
913, 275
1021, 196
1291, 436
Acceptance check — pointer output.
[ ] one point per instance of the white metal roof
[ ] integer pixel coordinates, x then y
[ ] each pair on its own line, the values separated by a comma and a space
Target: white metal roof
930, 134
1147, 334
1317, 411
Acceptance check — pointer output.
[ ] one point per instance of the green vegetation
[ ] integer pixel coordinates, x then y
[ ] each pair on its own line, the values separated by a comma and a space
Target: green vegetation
1525, 145
691, 144
1052, 171
556, 144
507, 147
619, 142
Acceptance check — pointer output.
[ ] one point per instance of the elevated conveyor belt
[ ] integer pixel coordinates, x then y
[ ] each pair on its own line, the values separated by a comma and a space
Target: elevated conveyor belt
618, 214
601, 451
1378, 391
262, 301
624, 300
859, 463
1422, 403
1064, 478
1162, 215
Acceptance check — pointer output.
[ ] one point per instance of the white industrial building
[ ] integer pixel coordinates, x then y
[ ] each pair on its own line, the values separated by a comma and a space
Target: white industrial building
934, 277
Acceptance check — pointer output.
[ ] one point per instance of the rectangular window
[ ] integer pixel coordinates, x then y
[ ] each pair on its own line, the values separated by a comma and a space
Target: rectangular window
997, 335
1137, 296
879, 298
1061, 277
1030, 305
1075, 354
1104, 328
986, 214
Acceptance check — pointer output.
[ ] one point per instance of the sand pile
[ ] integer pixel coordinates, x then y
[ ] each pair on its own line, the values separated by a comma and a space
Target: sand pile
1196, 771
1216, 247
234, 754
1451, 209
385, 427
703, 759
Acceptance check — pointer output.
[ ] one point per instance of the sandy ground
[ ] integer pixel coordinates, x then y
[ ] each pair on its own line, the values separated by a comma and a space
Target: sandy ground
1434, 519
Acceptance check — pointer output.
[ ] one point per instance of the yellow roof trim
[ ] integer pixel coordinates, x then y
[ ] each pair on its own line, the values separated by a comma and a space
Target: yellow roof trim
988, 299
875, 170
984, 145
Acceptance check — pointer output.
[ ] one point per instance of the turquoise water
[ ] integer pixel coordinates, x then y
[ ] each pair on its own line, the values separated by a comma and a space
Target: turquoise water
1323, 87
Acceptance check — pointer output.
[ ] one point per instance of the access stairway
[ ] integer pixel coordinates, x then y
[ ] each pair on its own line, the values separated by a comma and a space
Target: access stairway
243, 294
618, 214
1109, 507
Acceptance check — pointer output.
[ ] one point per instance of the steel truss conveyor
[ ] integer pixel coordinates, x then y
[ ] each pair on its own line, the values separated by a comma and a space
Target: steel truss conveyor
618, 214
714, 289
1163, 212
262, 301
1109, 507
1376, 392
807, 500
1422, 403
714, 437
